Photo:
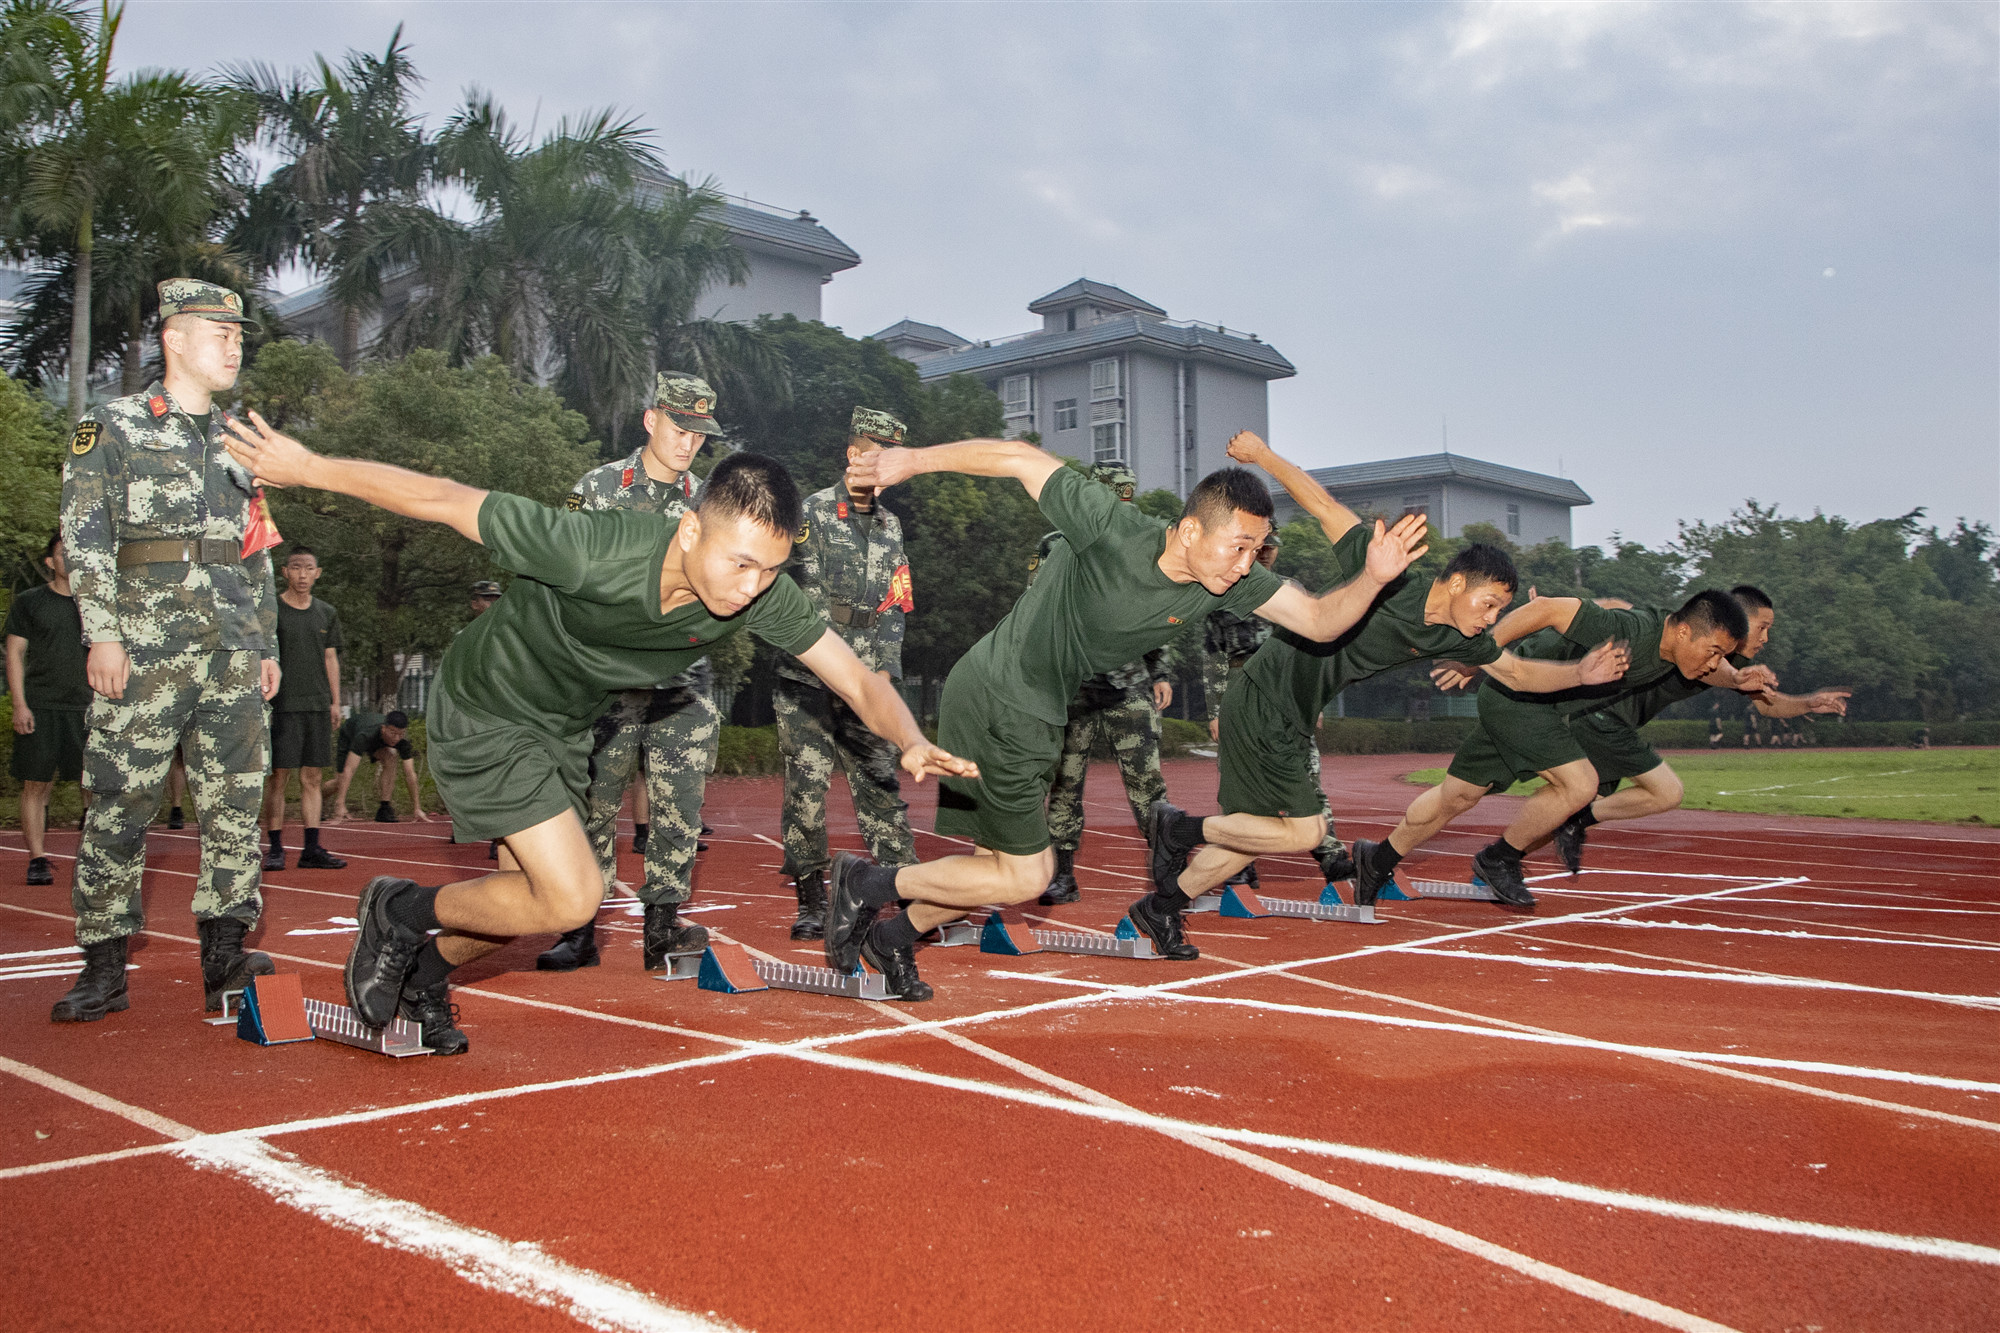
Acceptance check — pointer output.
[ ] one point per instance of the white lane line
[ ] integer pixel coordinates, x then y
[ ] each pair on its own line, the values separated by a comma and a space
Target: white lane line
1801, 935
512, 1268
1561, 1278
1736, 978
1883, 931
68, 949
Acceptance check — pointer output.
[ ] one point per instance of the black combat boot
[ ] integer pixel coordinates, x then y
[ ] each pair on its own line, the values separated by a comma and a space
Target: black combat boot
432, 1010
811, 924
1062, 889
572, 949
99, 988
665, 934
224, 965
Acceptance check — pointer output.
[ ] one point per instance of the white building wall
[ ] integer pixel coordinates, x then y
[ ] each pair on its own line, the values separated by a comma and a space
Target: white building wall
1053, 384
1226, 401
1149, 409
778, 284
1540, 519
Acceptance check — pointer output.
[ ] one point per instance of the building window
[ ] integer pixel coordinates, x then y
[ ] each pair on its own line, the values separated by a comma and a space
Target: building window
1017, 395
1513, 520
1107, 442
1065, 414
1416, 504
1072, 321
1104, 379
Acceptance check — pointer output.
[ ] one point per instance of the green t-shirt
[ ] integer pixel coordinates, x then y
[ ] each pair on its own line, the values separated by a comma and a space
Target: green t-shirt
1392, 634
362, 735
303, 638
53, 675
583, 622
1098, 602
1636, 710
1592, 625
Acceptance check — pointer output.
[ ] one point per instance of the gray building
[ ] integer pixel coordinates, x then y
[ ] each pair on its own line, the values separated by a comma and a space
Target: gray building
1529, 507
1109, 378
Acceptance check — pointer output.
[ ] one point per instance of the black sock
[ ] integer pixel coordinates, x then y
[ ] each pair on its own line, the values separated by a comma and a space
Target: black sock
312, 837
1506, 851
1584, 818
429, 970
1186, 830
639, 830
174, 812
1385, 858
277, 840
1173, 900
876, 885
896, 932
415, 908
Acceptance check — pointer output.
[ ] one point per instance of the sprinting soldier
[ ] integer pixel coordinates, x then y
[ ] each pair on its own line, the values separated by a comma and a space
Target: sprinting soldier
305, 713
383, 739
1119, 585
1611, 737
604, 602
1124, 706
45, 677
1522, 735
183, 649
673, 729
1270, 791
848, 560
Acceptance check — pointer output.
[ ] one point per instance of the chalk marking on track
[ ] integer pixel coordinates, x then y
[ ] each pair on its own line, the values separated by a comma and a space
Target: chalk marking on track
512, 1268
1574, 1283
1737, 978
1881, 931
69, 949
1711, 928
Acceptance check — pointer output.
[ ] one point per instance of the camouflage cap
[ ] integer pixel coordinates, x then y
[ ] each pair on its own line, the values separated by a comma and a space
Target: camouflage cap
190, 296
876, 425
1271, 539
486, 588
688, 401
1117, 476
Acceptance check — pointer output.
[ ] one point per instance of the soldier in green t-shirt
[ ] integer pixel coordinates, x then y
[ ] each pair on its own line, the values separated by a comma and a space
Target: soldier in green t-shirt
1523, 735
1270, 793
604, 602
304, 712
45, 676
1119, 585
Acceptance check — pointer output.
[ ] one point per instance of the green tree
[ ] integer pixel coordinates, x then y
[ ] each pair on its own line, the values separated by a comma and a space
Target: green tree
30, 480
400, 584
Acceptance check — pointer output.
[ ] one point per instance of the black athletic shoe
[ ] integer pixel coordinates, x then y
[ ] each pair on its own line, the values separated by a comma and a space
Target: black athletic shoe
811, 924
274, 858
572, 949
1569, 839
705, 828
432, 1010
639, 841
383, 954
1062, 889
1367, 884
898, 968
666, 933
385, 813
1244, 878
1335, 865
700, 846
1164, 928
39, 872
317, 857
1169, 858
174, 819
99, 988
846, 918
1504, 878
225, 966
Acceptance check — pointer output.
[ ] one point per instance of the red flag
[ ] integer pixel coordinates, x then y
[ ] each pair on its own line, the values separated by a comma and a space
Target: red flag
901, 593
260, 533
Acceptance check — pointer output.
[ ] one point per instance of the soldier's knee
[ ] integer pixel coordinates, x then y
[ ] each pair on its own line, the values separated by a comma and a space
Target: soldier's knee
1024, 877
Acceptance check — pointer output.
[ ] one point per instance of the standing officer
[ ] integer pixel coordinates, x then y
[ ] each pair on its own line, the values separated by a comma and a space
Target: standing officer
45, 676
305, 712
1126, 705
674, 726
848, 560
183, 648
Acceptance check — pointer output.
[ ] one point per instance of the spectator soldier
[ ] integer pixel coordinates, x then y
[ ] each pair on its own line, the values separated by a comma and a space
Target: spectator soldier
386, 741
305, 712
45, 677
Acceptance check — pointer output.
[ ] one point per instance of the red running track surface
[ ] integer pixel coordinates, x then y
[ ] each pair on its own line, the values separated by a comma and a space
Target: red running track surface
1740, 1074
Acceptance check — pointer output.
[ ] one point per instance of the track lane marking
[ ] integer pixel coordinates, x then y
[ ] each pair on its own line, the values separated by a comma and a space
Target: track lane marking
1736, 978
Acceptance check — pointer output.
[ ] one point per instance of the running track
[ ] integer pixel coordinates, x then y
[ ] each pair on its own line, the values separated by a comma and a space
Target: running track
1741, 1074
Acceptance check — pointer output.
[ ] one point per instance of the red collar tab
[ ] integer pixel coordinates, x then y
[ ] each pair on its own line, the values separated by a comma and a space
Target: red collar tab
687, 487
157, 405
840, 509
625, 481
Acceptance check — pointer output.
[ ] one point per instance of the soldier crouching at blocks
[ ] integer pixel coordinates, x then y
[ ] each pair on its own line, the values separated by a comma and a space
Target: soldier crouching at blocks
848, 560
182, 627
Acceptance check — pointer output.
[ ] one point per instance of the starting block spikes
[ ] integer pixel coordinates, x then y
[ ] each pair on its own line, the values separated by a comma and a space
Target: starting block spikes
729, 968
1007, 937
336, 1022
1242, 904
269, 1011
1478, 891
273, 1010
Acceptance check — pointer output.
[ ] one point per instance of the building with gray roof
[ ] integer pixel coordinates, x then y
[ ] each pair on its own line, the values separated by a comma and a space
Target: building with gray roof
1529, 507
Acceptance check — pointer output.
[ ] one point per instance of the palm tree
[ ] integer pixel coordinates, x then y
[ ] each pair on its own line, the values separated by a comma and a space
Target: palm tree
350, 200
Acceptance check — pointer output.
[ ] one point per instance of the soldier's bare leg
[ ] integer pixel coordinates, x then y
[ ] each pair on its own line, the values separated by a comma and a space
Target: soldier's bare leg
310, 792
274, 798
1233, 841
35, 814
946, 889
555, 888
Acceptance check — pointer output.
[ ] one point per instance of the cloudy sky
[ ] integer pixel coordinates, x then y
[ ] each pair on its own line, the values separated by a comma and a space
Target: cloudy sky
1683, 253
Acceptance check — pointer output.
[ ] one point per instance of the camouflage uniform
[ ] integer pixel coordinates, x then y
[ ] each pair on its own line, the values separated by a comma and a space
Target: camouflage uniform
850, 564
153, 516
674, 726
1120, 703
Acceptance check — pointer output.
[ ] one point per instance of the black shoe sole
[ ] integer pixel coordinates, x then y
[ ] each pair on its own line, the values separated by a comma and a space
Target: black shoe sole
567, 963
117, 1006
1507, 895
328, 863
42, 877
273, 863
1569, 842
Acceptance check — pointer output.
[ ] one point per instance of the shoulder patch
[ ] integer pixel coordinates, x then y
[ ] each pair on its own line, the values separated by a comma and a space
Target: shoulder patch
85, 438
625, 479
805, 531
575, 500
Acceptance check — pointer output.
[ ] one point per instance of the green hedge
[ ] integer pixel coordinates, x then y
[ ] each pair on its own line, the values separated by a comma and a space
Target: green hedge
1692, 733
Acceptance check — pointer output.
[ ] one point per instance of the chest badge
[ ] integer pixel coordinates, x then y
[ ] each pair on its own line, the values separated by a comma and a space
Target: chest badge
1173, 620
157, 405
694, 638
85, 438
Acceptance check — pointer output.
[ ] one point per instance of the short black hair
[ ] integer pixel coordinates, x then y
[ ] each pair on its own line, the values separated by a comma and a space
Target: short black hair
55, 540
1223, 492
1753, 598
300, 548
1481, 563
755, 487
1710, 610
397, 719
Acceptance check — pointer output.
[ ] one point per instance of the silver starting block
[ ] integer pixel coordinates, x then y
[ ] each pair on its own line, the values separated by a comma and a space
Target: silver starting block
954, 933
1004, 937
1242, 904
1478, 891
681, 966
863, 984
1207, 902
337, 1022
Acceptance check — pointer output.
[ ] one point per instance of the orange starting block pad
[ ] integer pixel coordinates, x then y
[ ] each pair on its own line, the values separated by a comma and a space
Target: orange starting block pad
1005, 937
731, 969
271, 1010
1242, 904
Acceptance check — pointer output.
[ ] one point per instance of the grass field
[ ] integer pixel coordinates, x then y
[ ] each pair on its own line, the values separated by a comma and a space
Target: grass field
1956, 786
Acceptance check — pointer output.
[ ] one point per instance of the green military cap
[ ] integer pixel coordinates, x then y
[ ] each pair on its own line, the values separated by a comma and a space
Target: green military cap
688, 400
191, 296
876, 424
1117, 476
486, 588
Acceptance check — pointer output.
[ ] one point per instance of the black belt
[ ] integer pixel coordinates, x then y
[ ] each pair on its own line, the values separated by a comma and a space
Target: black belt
855, 617
181, 551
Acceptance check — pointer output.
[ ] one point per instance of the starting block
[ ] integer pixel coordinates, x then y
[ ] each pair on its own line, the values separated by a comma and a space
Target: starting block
682, 966
273, 1010
1003, 936
954, 933
1126, 942
729, 968
1242, 904
1478, 891
264, 1011
1207, 902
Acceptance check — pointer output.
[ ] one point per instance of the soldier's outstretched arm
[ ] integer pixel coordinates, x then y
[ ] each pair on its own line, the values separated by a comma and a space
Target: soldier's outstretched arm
1335, 518
881, 709
1337, 610
1537, 613
975, 458
280, 460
